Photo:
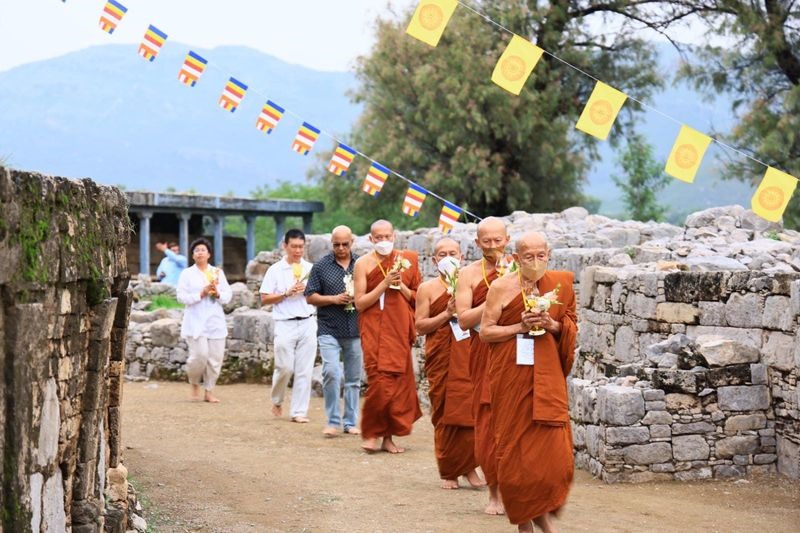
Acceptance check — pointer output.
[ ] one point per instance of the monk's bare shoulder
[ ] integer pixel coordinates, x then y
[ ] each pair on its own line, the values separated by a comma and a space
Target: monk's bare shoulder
427, 287
471, 273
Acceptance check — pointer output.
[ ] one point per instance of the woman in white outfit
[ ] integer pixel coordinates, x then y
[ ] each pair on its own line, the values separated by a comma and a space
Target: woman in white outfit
203, 289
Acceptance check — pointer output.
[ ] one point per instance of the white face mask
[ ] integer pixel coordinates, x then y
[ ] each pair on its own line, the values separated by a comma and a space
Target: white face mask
384, 247
447, 265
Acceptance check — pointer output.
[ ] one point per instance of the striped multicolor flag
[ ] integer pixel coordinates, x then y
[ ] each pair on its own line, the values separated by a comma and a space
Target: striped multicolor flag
193, 67
342, 157
304, 140
232, 95
414, 198
448, 217
111, 16
270, 116
153, 40
376, 177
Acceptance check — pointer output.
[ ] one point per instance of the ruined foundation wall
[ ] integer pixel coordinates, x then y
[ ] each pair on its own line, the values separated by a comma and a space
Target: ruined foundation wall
63, 322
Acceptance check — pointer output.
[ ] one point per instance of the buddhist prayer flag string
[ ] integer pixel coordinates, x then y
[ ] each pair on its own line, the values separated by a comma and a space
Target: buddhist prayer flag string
342, 157
376, 177
415, 196
448, 217
304, 141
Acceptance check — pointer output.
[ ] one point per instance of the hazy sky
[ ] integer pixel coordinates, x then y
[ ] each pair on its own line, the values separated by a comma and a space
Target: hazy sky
320, 34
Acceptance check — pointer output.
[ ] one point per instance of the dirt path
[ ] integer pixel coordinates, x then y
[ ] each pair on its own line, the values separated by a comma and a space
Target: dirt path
231, 467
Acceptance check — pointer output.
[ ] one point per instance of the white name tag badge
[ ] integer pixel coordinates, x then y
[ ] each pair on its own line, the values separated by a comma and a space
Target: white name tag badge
525, 350
381, 300
458, 333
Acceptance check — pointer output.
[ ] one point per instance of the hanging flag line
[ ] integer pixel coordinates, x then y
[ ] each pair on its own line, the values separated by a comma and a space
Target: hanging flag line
337, 140
638, 101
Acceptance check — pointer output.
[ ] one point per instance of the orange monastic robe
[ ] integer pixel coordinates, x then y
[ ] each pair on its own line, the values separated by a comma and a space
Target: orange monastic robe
530, 411
482, 409
447, 367
391, 405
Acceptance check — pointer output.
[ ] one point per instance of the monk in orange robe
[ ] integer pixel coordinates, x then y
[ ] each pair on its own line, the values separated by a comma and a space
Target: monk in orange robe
528, 372
447, 367
385, 283
474, 281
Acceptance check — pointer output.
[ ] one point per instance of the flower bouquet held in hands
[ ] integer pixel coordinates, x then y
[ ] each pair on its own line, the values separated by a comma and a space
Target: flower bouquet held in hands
401, 264
505, 266
350, 290
212, 276
297, 271
535, 302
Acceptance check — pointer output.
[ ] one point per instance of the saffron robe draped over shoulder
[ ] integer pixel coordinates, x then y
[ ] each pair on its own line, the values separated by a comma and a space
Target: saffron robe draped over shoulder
450, 392
481, 406
391, 405
530, 410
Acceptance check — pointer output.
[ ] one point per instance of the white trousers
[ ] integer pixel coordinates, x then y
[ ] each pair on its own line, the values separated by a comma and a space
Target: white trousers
205, 360
295, 351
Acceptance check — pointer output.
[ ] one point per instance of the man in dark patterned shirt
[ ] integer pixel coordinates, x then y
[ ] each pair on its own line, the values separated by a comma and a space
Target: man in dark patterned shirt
330, 288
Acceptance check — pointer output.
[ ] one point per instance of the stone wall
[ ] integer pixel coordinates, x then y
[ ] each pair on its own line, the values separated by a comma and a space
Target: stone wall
63, 321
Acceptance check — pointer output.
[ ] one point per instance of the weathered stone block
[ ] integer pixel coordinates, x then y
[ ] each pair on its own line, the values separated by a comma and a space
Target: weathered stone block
672, 381
620, 406
594, 440
743, 398
689, 287
655, 406
744, 311
778, 351
788, 457
745, 423
712, 314
657, 417
627, 435
690, 448
653, 395
729, 471
758, 374
640, 306
723, 352
695, 474
660, 431
625, 345
165, 332
645, 454
674, 312
764, 458
680, 402
749, 336
741, 445
778, 313
693, 427
728, 375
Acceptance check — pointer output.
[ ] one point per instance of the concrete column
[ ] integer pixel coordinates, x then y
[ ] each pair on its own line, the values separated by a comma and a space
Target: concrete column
307, 222
279, 229
183, 232
251, 236
144, 241
219, 222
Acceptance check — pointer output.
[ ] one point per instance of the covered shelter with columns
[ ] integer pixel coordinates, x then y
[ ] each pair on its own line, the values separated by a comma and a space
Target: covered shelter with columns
159, 214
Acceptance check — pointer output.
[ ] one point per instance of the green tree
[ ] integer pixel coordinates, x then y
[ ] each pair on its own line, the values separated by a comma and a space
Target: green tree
760, 64
644, 177
434, 115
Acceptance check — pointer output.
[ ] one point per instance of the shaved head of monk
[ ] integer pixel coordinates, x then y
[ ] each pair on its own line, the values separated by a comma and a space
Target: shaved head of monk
492, 238
532, 254
447, 247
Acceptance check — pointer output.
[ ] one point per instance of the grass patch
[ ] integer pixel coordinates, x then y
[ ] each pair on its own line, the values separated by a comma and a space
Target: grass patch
163, 301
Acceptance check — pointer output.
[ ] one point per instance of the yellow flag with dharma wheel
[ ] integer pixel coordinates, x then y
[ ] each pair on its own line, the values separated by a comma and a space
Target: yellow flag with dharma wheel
773, 195
687, 154
601, 111
430, 20
516, 64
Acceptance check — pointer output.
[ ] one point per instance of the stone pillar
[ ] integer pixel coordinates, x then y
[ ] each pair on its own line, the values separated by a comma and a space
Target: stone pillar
219, 222
144, 241
307, 223
279, 229
183, 232
251, 236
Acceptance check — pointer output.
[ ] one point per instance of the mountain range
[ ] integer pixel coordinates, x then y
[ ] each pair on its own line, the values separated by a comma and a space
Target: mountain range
105, 113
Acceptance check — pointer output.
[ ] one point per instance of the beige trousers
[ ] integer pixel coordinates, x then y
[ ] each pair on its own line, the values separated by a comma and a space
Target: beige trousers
205, 360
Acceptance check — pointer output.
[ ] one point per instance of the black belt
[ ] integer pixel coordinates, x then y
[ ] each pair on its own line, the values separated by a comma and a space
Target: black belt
299, 317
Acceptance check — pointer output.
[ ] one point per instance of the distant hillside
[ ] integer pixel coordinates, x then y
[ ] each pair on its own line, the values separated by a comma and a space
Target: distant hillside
106, 113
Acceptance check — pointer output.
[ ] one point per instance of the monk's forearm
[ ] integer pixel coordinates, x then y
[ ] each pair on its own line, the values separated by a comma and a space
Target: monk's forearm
495, 333
470, 318
429, 325
365, 301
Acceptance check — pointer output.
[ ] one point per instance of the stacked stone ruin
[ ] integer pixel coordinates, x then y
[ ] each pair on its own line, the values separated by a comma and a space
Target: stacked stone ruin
63, 320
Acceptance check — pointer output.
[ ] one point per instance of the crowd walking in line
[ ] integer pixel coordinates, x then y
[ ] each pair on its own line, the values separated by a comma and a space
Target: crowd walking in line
500, 337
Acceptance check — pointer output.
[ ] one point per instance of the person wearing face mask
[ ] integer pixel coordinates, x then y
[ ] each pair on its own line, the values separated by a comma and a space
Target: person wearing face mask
384, 298
528, 385
447, 368
203, 289
473, 285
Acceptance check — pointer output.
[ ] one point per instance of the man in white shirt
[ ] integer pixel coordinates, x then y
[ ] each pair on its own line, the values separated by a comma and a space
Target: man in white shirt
295, 326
